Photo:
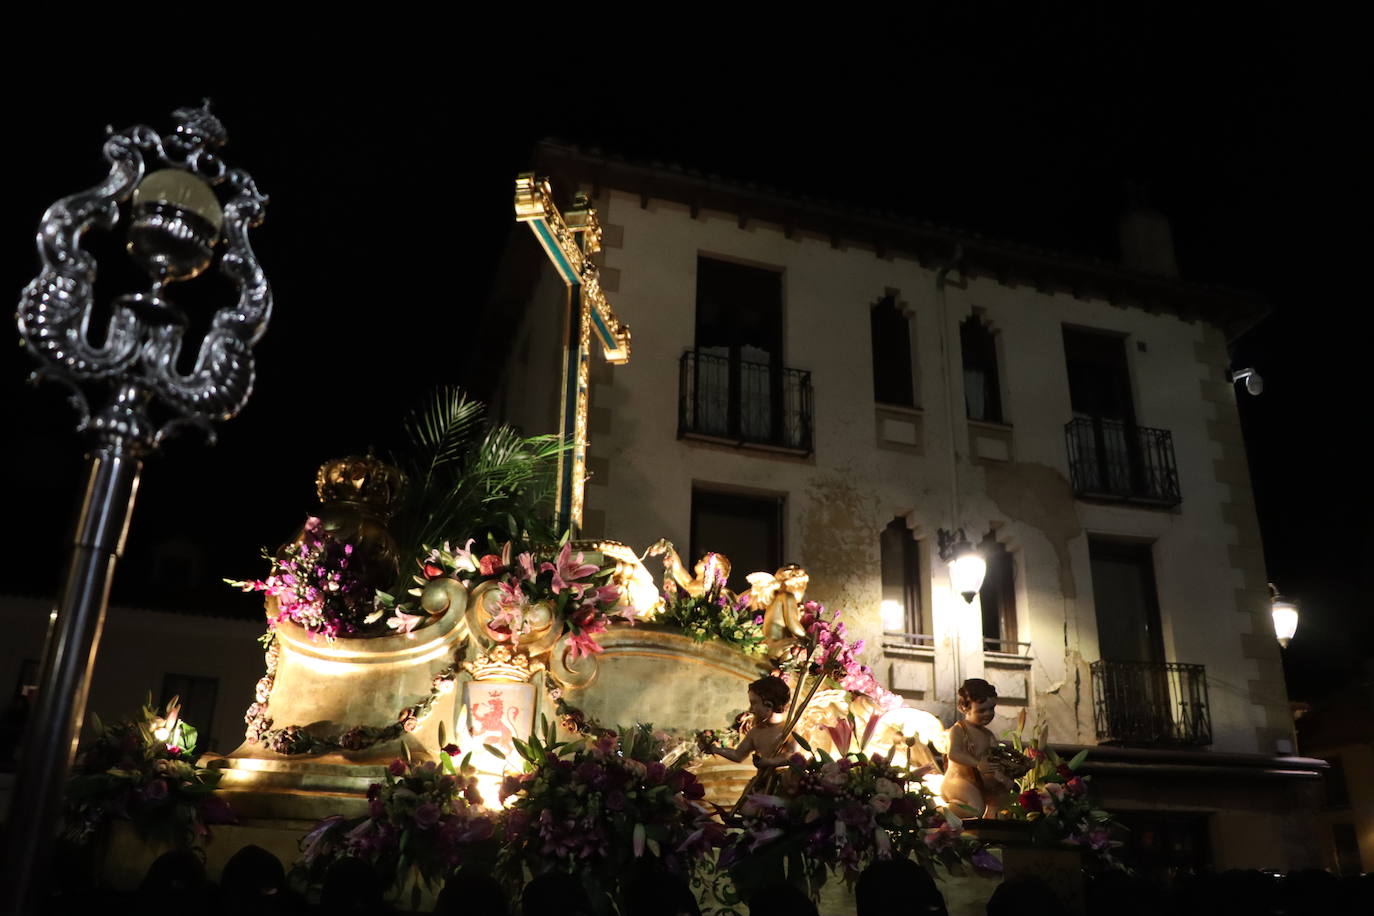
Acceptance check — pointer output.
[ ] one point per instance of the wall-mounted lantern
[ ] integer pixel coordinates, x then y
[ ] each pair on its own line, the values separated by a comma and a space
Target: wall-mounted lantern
966, 565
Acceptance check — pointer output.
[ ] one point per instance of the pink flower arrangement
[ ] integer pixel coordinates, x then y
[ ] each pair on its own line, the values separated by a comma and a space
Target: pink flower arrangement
598, 807
145, 770
315, 587
841, 814
827, 649
1058, 802
424, 815
575, 592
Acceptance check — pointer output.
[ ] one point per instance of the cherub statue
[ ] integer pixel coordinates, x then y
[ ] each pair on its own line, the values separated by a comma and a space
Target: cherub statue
981, 772
778, 597
766, 740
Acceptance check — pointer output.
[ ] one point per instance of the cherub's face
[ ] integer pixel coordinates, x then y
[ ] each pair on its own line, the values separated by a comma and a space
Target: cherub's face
760, 710
982, 712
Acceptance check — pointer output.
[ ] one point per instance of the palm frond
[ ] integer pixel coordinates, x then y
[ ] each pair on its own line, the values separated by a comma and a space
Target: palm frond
469, 478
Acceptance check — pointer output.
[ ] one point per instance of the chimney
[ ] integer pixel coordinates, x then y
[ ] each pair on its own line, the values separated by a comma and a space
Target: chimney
1147, 242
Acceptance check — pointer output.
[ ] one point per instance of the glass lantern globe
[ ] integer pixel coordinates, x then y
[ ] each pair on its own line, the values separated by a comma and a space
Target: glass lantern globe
1285, 615
966, 571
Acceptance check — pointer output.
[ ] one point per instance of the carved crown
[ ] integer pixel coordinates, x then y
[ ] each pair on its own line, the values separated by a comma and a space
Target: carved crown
369, 481
501, 664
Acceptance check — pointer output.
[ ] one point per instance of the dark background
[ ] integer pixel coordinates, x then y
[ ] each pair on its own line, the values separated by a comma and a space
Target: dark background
391, 200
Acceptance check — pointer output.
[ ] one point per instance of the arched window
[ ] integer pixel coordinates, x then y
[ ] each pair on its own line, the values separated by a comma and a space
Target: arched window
902, 608
998, 597
892, 377
982, 386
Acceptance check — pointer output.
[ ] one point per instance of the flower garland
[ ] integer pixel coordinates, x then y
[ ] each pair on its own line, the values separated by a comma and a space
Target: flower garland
145, 770
291, 740
427, 816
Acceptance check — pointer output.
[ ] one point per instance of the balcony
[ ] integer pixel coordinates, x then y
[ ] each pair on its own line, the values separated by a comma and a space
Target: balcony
744, 404
1151, 704
1115, 461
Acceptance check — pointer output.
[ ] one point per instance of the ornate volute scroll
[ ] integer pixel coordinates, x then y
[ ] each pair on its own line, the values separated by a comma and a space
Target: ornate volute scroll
184, 209
176, 225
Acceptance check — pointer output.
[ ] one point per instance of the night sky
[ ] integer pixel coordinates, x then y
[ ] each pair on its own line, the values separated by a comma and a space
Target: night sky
391, 202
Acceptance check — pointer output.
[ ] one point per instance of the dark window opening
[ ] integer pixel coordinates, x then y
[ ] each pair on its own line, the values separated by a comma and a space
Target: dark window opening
1163, 845
1128, 626
982, 385
891, 331
1334, 784
1099, 381
902, 610
998, 597
197, 695
1348, 863
746, 529
738, 352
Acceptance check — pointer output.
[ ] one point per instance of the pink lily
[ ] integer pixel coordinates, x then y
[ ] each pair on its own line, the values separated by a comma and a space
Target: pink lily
568, 570
580, 646
405, 623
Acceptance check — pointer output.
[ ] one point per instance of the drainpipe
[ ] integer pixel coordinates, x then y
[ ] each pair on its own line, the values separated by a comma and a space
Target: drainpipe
941, 277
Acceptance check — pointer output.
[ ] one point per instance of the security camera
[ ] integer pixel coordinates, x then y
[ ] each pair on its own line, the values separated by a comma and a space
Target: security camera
1253, 383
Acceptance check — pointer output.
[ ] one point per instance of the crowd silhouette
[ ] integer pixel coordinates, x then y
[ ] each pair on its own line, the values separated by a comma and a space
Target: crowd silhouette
254, 882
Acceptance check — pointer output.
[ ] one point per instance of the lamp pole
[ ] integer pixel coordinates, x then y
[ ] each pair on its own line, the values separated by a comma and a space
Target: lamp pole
185, 210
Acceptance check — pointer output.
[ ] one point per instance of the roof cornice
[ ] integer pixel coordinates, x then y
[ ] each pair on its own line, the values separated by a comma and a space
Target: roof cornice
890, 234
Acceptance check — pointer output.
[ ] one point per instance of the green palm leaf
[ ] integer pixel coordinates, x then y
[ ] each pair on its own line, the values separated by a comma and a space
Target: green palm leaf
467, 477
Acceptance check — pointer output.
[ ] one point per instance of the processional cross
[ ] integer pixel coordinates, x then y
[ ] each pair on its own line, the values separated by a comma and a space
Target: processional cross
570, 241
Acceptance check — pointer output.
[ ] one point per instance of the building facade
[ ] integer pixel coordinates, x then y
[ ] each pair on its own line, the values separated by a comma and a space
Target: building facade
831, 388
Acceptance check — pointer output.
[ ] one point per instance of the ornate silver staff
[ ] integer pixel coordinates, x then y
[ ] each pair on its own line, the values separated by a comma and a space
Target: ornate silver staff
185, 210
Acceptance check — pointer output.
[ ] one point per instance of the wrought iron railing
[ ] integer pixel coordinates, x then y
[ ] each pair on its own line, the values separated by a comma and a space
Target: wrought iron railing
1114, 460
744, 403
1151, 703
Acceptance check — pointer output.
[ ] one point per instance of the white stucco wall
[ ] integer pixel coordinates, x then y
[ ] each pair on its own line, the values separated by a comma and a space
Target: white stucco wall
138, 648
839, 499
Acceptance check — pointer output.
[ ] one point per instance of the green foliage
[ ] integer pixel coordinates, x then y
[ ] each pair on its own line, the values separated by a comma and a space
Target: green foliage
1060, 804
469, 477
706, 618
145, 770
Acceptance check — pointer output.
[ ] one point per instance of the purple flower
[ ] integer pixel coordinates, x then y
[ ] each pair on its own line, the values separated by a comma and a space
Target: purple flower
397, 767
427, 815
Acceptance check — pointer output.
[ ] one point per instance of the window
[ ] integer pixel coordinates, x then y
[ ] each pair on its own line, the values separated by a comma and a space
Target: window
738, 353
891, 330
198, 696
1128, 627
746, 529
1099, 382
902, 609
982, 386
1161, 844
998, 598
1348, 864
1334, 785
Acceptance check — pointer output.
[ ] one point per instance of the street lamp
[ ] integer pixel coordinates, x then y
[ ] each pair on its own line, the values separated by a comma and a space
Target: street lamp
966, 565
185, 210
1285, 615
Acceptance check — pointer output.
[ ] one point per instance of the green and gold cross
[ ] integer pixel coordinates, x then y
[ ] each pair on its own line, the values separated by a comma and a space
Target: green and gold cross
570, 241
